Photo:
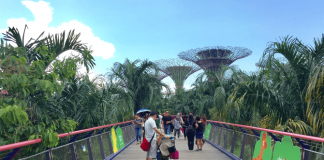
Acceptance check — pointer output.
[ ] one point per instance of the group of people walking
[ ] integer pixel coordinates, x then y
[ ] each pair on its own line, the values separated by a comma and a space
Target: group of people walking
191, 127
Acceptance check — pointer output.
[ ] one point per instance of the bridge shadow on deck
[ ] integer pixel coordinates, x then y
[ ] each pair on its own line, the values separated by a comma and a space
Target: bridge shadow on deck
134, 152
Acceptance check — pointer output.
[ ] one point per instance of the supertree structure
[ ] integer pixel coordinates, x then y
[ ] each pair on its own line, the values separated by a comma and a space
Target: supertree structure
179, 70
210, 58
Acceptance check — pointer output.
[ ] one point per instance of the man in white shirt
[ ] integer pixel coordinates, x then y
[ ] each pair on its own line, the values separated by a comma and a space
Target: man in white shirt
150, 132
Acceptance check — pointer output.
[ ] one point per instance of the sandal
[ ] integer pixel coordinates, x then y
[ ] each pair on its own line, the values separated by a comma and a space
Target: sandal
137, 143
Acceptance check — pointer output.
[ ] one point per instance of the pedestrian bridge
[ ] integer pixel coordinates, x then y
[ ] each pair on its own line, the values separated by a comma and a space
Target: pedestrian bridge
134, 152
223, 141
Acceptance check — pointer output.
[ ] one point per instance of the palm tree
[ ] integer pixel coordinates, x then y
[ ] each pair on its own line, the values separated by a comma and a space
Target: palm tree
279, 92
137, 81
56, 45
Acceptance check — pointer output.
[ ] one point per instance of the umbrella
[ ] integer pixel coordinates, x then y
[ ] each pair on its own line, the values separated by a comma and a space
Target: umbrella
142, 112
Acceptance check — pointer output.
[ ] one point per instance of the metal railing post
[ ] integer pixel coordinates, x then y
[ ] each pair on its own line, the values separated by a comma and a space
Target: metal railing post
274, 137
89, 145
225, 138
243, 143
305, 146
100, 144
220, 134
12, 154
48, 154
233, 141
215, 133
256, 133
73, 154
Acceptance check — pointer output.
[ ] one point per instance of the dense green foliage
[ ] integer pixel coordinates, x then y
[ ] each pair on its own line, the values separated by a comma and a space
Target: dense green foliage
282, 95
47, 96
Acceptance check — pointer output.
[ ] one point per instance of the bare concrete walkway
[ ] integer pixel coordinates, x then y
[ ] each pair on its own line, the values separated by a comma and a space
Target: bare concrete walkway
134, 152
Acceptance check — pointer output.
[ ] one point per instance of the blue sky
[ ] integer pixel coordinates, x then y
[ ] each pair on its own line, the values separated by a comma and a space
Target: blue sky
153, 30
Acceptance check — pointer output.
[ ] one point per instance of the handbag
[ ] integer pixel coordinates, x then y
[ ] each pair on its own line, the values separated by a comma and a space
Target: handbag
146, 145
174, 155
172, 149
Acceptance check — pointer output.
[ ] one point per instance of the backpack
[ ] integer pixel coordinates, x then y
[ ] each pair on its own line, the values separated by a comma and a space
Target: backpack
190, 127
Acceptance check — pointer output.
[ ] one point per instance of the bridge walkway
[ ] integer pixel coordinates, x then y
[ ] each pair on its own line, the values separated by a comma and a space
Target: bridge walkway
134, 152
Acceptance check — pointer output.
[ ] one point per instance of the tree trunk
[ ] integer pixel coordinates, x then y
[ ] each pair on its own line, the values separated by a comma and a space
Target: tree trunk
137, 106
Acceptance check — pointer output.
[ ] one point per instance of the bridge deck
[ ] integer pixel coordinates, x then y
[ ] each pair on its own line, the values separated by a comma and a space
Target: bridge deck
134, 152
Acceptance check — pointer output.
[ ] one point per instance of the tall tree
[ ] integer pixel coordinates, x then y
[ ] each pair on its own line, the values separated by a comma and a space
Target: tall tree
137, 81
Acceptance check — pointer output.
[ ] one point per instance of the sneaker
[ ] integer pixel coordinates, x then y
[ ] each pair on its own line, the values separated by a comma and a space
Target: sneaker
178, 139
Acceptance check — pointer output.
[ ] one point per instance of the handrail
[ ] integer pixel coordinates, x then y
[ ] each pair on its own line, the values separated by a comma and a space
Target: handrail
34, 141
318, 139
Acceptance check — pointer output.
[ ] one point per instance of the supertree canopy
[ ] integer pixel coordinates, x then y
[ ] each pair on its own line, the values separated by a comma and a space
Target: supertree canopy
179, 70
210, 58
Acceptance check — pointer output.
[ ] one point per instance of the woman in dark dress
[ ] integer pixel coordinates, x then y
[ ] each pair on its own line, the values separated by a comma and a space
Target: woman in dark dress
190, 132
199, 133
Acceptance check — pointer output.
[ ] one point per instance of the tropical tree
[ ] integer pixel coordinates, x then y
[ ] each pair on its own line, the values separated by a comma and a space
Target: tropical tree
56, 45
136, 80
25, 84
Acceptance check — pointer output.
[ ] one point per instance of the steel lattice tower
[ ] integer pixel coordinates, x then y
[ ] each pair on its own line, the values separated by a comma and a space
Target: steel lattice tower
179, 70
210, 58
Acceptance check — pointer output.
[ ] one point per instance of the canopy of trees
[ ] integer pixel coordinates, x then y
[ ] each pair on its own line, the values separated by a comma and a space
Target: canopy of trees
43, 96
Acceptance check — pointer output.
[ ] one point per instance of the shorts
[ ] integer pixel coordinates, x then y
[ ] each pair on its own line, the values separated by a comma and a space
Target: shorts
151, 153
199, 135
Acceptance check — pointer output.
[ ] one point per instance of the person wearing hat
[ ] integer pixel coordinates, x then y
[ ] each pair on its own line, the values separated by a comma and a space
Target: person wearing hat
177, 125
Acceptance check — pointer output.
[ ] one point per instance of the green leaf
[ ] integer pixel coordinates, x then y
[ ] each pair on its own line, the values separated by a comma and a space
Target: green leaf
39, 129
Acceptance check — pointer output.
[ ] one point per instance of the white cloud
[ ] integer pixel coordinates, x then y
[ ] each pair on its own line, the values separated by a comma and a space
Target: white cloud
43, 16
187, 87
171, 86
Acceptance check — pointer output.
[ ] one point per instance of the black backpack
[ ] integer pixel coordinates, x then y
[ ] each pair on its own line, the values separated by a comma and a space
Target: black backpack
190, 127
